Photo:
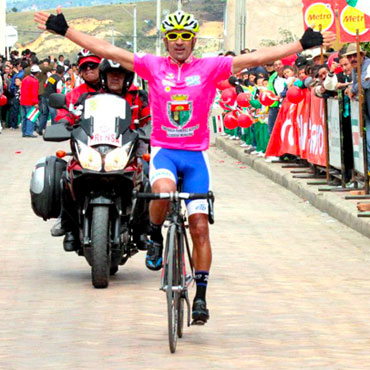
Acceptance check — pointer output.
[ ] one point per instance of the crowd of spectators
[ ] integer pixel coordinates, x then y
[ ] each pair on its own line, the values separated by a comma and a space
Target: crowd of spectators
26, 82
329, 74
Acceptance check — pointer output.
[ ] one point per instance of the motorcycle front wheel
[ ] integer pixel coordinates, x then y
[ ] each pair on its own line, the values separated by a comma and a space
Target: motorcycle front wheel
100, 266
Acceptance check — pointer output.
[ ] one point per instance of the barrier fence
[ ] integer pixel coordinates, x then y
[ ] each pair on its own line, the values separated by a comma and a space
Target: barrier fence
314, 131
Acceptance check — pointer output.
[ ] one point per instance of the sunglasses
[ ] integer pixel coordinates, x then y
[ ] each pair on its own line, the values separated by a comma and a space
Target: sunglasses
90, 65
185, 36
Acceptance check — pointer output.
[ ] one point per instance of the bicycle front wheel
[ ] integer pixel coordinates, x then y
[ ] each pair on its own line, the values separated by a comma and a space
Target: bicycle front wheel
172, 292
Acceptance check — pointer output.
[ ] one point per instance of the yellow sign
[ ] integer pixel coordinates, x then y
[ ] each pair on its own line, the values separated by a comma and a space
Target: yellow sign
320, 15
352, 19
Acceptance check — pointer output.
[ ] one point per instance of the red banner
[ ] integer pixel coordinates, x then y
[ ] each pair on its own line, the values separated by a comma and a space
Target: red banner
319, 13
316, 143
300, 130
352, 19
284, 138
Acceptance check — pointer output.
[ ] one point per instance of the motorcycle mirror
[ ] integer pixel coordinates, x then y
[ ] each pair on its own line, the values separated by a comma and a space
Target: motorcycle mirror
57, 101
57, 133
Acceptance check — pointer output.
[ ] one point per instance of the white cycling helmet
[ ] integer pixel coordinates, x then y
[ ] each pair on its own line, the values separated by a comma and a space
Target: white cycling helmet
180, 21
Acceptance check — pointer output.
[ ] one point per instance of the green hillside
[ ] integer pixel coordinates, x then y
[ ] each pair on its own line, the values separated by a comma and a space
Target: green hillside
116, 20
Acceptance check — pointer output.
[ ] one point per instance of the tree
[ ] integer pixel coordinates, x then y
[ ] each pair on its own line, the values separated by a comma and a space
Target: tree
14, 9
286, 38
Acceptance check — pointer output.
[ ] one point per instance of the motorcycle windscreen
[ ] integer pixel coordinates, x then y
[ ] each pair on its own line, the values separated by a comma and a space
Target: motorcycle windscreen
106, 117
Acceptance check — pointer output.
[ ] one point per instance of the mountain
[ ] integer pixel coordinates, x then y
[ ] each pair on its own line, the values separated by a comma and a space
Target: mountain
115, 24
25, 5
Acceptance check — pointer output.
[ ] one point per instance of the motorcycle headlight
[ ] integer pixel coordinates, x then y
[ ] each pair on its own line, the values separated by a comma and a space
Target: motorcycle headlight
117, 159
89, 158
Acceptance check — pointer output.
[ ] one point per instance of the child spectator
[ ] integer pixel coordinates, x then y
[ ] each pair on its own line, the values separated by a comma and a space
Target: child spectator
15, 104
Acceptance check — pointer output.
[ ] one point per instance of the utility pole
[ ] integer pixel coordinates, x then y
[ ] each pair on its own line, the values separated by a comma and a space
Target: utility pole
135, 30
158, 46
2, 26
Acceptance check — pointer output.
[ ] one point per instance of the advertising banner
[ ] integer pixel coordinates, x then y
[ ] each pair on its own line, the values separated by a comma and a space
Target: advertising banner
319, 13
284, 136
316, 146
351, 19
358, 142
335, 152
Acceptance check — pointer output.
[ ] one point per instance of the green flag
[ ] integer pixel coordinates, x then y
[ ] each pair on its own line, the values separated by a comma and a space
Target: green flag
361, 5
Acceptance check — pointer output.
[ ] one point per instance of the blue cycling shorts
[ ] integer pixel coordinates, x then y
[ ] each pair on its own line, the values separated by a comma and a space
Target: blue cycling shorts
192, 166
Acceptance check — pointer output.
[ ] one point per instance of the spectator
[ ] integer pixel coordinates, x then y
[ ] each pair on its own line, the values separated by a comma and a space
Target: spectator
54, 84
276, 85
353, 91
14, 105
29, 100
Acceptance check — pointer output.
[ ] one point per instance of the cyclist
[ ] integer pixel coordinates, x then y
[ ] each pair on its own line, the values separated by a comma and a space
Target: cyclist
182, 89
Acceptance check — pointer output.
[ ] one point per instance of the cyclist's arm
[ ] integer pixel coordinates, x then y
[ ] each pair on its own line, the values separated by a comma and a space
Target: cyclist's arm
266, 55
271, 54
97, 46
101, 48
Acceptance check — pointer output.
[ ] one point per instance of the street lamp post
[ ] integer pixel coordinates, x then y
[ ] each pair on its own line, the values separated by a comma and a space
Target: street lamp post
158, 46
2, 26
134, 26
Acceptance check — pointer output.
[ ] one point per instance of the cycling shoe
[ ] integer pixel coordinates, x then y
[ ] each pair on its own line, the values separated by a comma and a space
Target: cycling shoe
200, 314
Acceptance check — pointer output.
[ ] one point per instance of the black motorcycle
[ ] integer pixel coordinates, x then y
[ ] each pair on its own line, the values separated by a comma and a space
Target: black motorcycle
94, 188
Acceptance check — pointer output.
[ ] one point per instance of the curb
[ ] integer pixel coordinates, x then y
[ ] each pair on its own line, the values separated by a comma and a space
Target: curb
333, 203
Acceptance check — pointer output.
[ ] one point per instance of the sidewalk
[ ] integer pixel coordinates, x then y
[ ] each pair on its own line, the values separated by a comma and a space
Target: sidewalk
333, 203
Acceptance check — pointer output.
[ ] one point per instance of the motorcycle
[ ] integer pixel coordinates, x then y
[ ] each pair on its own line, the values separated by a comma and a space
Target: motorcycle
98, 181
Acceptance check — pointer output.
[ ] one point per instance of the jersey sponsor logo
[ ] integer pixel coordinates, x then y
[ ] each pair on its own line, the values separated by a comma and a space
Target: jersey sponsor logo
168, 83
201, 207
170, 76
192, 80
179, 110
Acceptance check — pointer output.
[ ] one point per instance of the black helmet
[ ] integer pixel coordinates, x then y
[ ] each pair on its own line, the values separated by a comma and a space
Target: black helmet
107, 65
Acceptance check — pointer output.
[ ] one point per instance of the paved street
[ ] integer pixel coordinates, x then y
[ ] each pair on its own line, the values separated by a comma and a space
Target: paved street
289, 287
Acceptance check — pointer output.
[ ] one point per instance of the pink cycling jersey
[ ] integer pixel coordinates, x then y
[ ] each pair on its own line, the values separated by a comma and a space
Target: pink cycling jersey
180, 97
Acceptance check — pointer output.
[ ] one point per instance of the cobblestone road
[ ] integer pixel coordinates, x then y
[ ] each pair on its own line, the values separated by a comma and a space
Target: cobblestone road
289, 287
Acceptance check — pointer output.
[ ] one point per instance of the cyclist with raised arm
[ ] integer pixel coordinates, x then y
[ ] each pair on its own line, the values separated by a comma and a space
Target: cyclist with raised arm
182, 89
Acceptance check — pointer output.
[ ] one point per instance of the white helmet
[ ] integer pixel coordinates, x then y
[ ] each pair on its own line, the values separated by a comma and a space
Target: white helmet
180, 21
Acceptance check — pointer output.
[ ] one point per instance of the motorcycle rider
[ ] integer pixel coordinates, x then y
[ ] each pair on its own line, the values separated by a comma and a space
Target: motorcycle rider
117, 80
89, 68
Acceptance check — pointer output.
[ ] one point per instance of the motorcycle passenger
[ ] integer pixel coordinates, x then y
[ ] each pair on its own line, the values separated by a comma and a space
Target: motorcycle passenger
117, 80
182, 89
89, 67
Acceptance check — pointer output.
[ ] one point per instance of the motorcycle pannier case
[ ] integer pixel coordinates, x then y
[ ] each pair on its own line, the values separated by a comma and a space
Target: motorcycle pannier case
46, 187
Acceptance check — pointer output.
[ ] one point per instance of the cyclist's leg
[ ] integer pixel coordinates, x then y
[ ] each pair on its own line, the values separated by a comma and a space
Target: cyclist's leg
163, 178
197, 179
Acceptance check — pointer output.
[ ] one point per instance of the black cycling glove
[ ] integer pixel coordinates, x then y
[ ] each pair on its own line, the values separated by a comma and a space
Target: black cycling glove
57, 23
311, 39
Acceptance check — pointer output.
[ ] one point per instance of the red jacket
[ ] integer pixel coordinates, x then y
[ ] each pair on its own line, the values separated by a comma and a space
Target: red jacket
136, 100
30, 91
72, 97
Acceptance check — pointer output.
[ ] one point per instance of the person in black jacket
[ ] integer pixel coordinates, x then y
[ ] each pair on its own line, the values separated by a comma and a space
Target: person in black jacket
54, 84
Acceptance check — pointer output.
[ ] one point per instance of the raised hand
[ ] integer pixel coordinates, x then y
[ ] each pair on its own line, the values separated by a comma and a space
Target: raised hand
52, 23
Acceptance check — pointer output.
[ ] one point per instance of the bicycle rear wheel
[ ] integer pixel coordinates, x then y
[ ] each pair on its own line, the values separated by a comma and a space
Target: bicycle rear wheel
172, 293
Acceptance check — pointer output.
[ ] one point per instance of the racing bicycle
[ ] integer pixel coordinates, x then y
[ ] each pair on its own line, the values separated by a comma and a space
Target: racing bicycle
175, 279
